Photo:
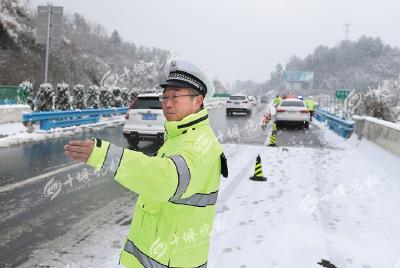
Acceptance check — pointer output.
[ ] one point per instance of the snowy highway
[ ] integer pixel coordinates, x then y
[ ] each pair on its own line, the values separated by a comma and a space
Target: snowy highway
325, 198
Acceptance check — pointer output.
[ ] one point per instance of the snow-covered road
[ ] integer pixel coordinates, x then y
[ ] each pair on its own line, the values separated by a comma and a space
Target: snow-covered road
334, 204
338, 203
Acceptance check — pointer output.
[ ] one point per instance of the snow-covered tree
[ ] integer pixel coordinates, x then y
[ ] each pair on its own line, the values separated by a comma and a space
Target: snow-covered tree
382, 101
44, 98
26, 96
78, 97
61, 100
92, 97
105, 98
116, 99
125, 96
115, 39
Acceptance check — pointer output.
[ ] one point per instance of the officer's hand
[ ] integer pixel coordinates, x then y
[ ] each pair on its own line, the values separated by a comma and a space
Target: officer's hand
79, 150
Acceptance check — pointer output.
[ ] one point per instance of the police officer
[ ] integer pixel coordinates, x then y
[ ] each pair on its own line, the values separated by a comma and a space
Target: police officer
178, 188
277, 101
310, 106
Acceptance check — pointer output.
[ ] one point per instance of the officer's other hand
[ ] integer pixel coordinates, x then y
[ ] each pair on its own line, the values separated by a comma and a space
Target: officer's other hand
79, 150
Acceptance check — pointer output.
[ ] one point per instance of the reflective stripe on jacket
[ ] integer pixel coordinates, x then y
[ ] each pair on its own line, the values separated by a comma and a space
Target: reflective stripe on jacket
177, 190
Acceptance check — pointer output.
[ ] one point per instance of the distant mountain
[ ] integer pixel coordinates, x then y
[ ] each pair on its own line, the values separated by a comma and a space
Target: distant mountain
87, 55
352, 64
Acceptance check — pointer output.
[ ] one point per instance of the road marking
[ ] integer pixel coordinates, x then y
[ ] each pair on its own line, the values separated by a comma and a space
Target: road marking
37, 178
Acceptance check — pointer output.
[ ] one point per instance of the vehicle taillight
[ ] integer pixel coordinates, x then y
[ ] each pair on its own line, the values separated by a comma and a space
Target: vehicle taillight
304, 111
280, 110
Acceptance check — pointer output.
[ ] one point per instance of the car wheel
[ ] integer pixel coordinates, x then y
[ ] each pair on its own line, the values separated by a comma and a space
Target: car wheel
132, 140
133, 143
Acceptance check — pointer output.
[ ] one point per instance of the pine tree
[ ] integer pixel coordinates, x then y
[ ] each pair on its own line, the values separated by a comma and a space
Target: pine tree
116, 97
115, 39
125, 96
44, 98
78, 97
61, 101
104, 98
26, 95
92, 97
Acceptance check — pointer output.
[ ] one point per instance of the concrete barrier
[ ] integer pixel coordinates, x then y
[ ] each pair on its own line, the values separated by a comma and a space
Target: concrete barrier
383, 133
12, 113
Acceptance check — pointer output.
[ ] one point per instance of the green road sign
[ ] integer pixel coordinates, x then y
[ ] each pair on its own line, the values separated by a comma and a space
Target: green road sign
342, 94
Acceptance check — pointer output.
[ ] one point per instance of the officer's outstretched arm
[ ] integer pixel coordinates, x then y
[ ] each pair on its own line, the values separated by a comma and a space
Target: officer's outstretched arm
153, 177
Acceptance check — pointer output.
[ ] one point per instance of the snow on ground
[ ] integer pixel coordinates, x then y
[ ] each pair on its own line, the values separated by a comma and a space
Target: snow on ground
336, 204
12, 129
7, 107
16, 133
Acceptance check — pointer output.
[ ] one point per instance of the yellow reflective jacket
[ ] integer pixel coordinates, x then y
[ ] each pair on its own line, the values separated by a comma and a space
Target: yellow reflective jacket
277, 101
177, 191
310, 104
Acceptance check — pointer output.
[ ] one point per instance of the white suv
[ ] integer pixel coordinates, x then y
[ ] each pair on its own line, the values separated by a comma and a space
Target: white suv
238, 103
145, 120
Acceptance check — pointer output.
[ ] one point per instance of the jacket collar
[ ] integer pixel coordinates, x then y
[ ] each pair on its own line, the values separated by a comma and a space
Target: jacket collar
175, 128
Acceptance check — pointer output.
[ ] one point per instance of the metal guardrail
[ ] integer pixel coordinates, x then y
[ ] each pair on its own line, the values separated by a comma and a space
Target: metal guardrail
340, 126
68, 118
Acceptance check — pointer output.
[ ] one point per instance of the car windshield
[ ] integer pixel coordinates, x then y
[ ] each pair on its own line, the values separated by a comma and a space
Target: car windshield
292, 104
237, 97
148, 103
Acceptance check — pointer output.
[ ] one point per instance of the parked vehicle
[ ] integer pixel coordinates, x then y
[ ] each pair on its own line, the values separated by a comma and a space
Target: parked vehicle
145, 119
293, 111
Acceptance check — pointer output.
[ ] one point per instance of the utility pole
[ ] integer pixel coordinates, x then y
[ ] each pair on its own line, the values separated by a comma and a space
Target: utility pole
347, 31
48, 30
47, 43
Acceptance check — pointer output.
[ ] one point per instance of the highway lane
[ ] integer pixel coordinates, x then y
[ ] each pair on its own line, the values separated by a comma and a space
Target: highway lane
47, 208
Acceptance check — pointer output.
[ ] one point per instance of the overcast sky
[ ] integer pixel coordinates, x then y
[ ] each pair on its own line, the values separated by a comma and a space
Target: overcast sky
240, 39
